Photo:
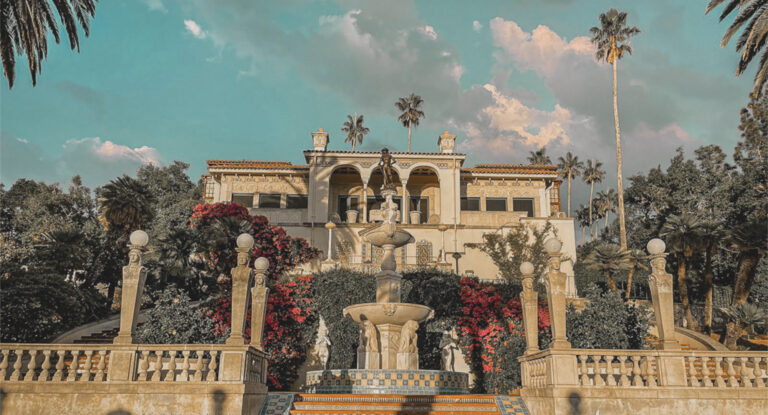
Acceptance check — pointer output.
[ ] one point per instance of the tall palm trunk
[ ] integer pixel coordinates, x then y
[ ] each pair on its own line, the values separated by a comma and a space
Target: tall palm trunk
630, 273
591, 190
569, 193
683, 286
611, 283
354, 141
582, 234
622, 226
745, 277
409, 136
708, 278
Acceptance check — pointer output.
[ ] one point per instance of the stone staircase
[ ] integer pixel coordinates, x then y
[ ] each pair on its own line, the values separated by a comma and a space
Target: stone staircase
102, 337
376, 404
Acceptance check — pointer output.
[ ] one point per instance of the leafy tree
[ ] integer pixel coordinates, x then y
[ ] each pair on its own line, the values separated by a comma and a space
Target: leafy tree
750, 242
126, 204
410, 113
25, 30
593, 173
510, 247
683, 236
744, 316
174, 320
354, 129
752, 39
539, 157
637, 259
608, 259
611, 39
570, 166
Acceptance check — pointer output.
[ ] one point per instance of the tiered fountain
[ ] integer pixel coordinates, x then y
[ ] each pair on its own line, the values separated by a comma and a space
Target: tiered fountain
388, 355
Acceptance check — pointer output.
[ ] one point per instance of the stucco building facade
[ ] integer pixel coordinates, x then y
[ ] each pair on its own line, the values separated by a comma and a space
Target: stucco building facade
449, 205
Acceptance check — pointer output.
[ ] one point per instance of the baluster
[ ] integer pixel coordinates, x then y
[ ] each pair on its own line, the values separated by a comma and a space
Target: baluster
637, 380
757, 372
87, 366
158, 365
101, 366
731, 373
692, 379
212, 365
745, 373
719, 382
598, 370
651, 376
72, 371
143, 365
31, 366
623, 378
6, 354
59, 374
185, 366
199, 366
609, 371
46, 367
706, 379
584, 371
171, 375
16, 375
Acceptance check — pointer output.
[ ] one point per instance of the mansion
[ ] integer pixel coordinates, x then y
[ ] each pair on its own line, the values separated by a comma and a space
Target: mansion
443, 204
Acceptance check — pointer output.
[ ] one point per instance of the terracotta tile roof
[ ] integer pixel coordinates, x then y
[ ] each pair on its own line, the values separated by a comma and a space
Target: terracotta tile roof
391, 152
254, 164
512, 168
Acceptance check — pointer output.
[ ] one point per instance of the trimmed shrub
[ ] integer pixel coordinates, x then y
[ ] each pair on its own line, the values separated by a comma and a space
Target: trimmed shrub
173, 320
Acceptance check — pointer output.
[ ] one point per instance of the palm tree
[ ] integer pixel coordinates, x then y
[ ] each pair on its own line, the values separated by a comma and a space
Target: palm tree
637, 259
354, 129
711, 234
750, 243
570, 167
593, 173
582, 217
410, 113
683, 236
752, 38
606, 204
608, 259
25, 26
610, 39
539, 157
745, 316
125, 203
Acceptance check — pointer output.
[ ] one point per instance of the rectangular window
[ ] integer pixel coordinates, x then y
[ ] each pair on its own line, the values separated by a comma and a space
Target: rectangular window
420, 204
523, 205
296, 201
243, 199
470, 203
347, 202
496, 204
267, 201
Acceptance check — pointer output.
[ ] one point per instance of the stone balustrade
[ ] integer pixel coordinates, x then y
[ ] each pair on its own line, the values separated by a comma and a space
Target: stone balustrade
153, 363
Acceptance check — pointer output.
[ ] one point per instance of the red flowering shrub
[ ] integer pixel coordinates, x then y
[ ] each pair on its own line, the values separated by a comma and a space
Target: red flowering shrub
289, 328
488, 322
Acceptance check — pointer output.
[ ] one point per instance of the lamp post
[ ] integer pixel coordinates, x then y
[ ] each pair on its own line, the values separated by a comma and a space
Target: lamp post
241, 278
555, 282
456, 257
330, 226
529, 299
442, 228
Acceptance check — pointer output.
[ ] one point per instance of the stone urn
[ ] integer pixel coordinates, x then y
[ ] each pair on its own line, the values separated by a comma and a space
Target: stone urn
352, 216
415, 217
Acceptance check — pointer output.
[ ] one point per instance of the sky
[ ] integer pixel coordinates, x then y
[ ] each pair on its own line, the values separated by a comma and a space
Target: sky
164, 80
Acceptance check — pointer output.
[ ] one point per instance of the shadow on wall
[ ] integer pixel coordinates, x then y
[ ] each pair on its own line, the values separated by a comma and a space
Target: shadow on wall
2, 398
119, 412
574, 401
218, 401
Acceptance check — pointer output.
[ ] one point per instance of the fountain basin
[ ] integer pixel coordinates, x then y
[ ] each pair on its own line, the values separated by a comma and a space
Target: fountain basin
378, 236
388, 313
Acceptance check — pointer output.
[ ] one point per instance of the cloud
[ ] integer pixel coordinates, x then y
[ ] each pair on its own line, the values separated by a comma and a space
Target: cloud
429, 32
87, 96
476, 26
94, 159
195, 29
156, 5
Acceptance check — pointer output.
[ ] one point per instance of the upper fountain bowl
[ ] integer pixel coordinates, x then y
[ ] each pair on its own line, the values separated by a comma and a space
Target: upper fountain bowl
378, 236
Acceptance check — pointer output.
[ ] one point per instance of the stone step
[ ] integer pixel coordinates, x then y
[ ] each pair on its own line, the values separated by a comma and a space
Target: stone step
394, 404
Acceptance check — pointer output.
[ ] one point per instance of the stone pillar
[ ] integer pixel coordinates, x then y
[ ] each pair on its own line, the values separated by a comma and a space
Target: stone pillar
555, 282
134, 276
241, 278
404, 205
442, 228
365, 203
259, 294
660, 282
320, 140
330, 226
529, 299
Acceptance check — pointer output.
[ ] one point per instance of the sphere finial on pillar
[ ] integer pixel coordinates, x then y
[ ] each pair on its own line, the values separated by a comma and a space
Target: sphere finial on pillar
656, 246
552, 246
526, 268
260, 265
245, 241
139, 239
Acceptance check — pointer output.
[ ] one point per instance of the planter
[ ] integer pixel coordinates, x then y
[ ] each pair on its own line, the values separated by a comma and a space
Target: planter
351, 216
415, 217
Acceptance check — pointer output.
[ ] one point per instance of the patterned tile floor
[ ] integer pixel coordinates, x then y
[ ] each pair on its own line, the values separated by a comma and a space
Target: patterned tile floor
511, 405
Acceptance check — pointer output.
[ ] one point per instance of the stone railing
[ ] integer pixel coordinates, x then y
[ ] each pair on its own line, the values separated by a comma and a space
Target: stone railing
644, 369
147, 363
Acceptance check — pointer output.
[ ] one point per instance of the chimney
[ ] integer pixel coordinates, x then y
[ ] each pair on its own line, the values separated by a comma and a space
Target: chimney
446, 142
320, 140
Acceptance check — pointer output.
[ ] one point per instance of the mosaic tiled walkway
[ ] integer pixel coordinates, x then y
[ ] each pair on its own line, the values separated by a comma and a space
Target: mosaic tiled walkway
331, 404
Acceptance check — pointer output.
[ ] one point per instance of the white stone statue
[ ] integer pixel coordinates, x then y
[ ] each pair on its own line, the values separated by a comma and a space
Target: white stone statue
323, 344
448, 350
